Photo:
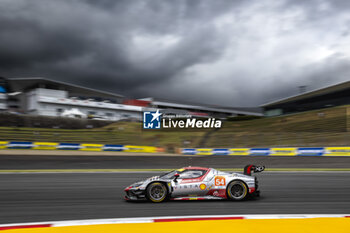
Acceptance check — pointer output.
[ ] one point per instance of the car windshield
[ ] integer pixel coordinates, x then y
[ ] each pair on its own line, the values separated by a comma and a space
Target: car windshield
184, 174
169, 175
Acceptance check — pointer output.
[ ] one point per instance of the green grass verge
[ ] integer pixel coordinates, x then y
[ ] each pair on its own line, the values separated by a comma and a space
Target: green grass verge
325, 127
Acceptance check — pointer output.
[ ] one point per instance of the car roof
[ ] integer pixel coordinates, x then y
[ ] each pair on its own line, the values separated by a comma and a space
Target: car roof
196, 168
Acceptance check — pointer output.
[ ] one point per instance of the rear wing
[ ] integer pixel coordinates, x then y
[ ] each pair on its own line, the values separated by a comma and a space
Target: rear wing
253, 168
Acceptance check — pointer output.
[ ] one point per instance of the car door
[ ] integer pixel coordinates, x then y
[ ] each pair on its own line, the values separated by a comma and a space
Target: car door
190, 183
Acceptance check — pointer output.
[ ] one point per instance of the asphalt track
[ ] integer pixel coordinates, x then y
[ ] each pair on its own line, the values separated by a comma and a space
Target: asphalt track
29, 197
141, 162
53, 197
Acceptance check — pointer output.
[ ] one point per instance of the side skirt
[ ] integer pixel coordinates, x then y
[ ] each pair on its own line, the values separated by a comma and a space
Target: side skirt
196, 198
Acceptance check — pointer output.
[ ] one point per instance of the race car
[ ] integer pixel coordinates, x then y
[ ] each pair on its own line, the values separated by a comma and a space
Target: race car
196, 183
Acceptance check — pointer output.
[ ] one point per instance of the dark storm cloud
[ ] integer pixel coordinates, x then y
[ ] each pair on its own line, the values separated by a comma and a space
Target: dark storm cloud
220, 52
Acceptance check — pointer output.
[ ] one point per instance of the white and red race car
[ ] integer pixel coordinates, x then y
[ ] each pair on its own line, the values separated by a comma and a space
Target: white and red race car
196, 183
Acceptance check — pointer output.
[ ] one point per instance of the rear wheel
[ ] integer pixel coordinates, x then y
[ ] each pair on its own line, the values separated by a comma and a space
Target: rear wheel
157, 192
237, 190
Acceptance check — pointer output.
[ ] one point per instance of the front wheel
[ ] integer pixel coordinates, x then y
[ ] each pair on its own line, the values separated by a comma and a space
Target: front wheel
237, 190
156, 192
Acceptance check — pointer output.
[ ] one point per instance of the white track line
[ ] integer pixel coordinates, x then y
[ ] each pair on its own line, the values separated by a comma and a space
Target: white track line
170, 219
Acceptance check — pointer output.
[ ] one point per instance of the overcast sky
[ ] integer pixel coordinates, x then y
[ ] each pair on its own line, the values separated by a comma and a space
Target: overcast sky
234, 53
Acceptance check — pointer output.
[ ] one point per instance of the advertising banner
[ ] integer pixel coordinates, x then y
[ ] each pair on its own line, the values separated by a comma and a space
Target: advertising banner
275, 151
239, 151
220, 151
143, 149
3, 144
283, 151
68, 146
259, 151
91, 147
45, 145
82, 147
20, 145
204, 151
312, 151
109, 147
337, 151
189, 151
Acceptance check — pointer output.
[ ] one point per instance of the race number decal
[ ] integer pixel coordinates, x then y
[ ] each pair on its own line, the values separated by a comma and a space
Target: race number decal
220, 181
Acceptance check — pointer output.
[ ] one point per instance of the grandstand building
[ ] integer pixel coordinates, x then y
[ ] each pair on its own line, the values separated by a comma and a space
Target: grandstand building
326, 97
45, 97
199, 110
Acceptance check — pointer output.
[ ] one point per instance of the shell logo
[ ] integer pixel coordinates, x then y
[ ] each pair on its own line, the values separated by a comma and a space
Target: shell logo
202, 186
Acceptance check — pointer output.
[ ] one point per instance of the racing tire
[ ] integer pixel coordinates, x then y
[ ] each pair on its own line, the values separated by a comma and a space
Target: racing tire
156, 192
237, 190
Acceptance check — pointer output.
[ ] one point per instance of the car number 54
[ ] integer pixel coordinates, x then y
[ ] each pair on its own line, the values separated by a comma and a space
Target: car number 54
220, 181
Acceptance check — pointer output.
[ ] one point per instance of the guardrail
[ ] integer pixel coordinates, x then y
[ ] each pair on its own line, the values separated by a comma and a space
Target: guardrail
281, 151
78, 146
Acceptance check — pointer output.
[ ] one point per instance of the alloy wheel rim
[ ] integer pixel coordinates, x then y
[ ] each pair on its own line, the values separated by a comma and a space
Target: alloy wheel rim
157, 192
237, 190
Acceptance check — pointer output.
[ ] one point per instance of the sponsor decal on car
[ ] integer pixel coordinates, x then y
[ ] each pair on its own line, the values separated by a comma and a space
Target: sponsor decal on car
220, 181
185, 181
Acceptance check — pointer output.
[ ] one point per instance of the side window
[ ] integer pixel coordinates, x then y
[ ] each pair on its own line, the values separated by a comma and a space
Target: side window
191, 174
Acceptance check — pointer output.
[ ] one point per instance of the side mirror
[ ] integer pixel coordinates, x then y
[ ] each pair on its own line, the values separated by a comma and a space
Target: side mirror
176, 176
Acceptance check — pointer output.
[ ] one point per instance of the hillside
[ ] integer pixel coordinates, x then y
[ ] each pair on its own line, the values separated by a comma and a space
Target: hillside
315, 128
117, 133
327, 126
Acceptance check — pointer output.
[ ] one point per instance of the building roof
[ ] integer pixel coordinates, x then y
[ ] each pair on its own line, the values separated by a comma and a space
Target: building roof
207, 107
314, 93
19, 84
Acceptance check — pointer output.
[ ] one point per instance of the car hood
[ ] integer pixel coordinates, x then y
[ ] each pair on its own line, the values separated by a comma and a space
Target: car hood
146, 181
